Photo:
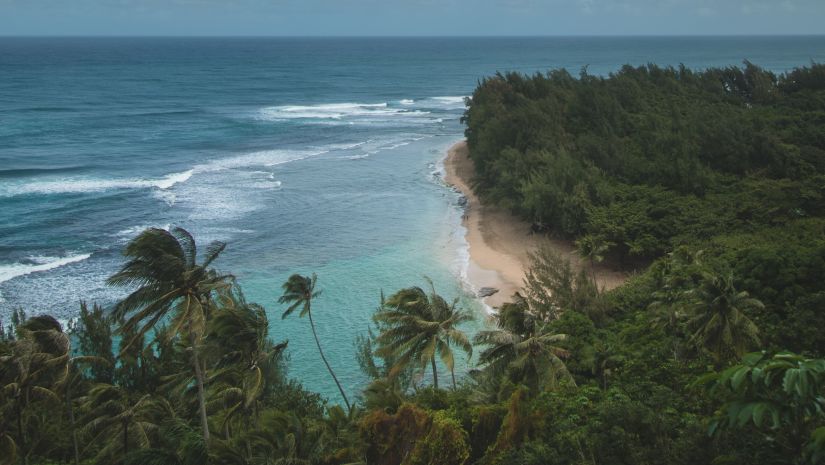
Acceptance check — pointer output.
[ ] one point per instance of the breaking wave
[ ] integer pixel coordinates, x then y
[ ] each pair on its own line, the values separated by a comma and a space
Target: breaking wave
37, 264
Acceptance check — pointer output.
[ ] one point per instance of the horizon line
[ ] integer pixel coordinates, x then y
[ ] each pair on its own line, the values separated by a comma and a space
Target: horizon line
407, 36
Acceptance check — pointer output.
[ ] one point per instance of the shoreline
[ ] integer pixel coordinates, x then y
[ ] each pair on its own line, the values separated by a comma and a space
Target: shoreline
500, 243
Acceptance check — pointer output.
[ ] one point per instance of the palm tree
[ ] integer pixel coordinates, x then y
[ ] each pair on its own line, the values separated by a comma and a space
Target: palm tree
593, 248
283, 439
603, 360
299, 292
719, 323
239, 333
35, 369
523, 348
8, 449
419, 326
74, 378
666, 310
163, 265
535, 360
115, 420
177, 443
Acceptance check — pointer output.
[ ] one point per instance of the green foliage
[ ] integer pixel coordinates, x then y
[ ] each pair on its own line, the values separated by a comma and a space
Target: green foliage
650, 158
782, 396
413, 436
417, 326
719, 320
391, 438
714, 181
444, 444
142, 404
170, 284
523, 349
94, 339
551, 287
33, 370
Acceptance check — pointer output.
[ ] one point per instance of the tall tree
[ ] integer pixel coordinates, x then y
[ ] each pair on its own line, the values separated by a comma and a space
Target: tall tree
170, 283
719, 323
419, 327
239, 337
298, 293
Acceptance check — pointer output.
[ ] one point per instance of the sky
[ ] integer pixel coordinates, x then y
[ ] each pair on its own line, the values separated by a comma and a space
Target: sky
410, 17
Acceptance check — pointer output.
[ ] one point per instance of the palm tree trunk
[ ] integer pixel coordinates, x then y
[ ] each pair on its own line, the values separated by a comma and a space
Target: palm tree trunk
593, 274
452, 373
199, 379
72, 424
22, 439
318, 343
435, 372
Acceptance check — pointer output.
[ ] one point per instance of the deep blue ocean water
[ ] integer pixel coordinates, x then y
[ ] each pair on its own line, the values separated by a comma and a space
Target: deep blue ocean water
306, 155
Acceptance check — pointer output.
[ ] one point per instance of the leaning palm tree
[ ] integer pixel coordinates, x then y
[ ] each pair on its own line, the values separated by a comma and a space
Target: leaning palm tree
419, 327
299, 292
239, 336
170, 284
719, 323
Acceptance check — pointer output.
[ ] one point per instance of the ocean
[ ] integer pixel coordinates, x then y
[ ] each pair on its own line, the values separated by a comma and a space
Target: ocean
304, 154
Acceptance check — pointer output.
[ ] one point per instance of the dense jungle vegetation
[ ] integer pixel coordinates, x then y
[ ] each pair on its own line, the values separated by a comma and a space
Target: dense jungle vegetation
710, 183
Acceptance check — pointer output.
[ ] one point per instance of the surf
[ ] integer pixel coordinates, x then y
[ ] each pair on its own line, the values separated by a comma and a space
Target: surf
37, 265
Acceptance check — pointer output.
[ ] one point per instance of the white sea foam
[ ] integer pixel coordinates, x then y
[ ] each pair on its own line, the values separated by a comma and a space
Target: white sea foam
135, 230
163, 184
273, 185
348, 146
170, 180
82, 185
360, 112
395, 146
347, 113
358, 157
451, 99
261, 158
230, 230
326, 111
448, 102
14, 270
167, 197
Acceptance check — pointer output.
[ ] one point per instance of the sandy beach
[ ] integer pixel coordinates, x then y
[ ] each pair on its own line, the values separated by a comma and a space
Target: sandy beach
500, 243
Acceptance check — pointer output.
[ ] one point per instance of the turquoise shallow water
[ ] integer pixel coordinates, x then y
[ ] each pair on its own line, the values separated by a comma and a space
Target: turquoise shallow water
304, 154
